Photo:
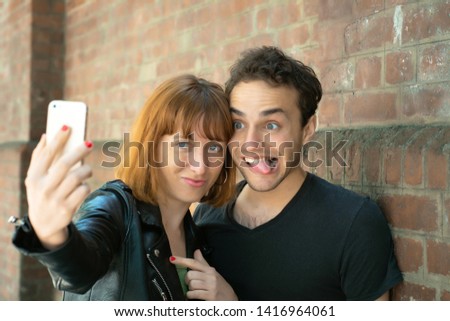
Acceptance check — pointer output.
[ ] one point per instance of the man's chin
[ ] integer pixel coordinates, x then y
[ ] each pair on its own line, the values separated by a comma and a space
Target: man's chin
261, 183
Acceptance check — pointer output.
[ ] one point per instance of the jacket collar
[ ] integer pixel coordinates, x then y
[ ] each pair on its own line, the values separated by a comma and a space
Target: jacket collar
150, 214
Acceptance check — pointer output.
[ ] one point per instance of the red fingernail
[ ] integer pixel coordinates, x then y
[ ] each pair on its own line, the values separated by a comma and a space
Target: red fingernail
172, 258
88, 144
64, 128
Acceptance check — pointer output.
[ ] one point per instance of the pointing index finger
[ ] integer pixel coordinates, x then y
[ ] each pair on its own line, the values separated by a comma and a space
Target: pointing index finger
192, 264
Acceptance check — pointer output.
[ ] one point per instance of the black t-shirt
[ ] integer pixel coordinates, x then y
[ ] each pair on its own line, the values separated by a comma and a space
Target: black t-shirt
328, 243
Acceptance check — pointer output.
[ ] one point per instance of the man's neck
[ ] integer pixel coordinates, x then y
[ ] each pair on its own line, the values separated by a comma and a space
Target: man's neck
254, 208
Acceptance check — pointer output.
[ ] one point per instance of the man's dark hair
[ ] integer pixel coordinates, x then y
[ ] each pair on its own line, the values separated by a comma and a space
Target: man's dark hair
273, 66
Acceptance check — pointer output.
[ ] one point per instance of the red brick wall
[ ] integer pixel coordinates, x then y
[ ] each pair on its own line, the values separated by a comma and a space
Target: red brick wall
15, 37
405, 168
15, 64
31, 57
383, 65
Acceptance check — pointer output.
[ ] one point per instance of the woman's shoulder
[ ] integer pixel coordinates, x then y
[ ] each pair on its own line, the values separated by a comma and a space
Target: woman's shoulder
108, 198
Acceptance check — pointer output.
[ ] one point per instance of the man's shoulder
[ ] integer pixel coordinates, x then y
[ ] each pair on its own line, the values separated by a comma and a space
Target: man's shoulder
337, 196
208, 214
323, 186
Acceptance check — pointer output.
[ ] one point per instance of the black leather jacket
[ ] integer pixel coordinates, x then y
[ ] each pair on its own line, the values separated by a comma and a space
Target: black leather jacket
117, 250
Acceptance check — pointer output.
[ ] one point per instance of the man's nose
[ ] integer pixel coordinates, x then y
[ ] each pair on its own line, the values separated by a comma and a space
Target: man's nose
253, 139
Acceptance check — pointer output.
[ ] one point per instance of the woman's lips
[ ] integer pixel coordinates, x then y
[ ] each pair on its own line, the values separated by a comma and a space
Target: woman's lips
194, 182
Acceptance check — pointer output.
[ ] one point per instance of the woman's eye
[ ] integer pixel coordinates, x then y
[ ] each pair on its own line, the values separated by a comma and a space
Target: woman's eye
182, 145
272, 126
215, 148
238, 125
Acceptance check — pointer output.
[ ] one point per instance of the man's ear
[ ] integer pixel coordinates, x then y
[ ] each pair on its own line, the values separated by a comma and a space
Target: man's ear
310, 128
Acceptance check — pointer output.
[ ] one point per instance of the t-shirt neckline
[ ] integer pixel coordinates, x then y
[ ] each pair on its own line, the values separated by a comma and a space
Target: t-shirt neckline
304, 188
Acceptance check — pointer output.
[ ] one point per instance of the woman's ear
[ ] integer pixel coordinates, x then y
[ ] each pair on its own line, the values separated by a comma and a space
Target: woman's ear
310, 128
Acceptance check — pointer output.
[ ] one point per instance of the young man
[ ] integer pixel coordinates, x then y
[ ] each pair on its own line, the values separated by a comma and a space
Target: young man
288, 235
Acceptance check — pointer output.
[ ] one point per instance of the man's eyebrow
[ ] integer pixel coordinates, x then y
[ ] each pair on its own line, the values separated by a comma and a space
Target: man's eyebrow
272, 111
263, 113
236, 111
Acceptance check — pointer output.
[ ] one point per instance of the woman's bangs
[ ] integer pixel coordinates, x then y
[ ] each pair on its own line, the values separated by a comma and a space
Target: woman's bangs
207, 122
215, 126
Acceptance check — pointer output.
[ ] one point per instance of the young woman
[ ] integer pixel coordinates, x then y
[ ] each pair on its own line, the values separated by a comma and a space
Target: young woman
126, 233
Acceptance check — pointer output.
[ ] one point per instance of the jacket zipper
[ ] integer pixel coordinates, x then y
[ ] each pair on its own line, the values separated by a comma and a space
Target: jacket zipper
161, 292
160, 275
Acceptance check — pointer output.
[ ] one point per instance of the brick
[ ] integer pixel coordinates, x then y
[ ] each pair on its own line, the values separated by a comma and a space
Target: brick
423, 137
446, 218
372, 164
413, 173
73, 4
222, 9
438, 254
445, 295
409, 253
364, 107
14, 5
424, 21
41, 49
260, 40
414, 156
48, 21
338, 76
327, 9
58, 7
282, 15
440, 142
335, 170
316, 158
296, 36
42, 36
353, 160
368, 72
390, 3
437, 170
330, 47
367, 7
202, 16
368, 33
433, 63
399, 67
41, 6
418, 213
239, 26
329, 110
245, 5
262, 19
406, 291
426, 101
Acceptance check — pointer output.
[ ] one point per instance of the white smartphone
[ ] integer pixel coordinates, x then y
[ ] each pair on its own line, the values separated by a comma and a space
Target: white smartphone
69, 113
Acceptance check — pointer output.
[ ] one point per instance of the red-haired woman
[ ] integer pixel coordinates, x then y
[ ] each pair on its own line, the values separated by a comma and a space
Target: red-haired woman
126, 233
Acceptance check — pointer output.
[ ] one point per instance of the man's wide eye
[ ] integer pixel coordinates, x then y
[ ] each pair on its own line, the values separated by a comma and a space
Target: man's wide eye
272, 126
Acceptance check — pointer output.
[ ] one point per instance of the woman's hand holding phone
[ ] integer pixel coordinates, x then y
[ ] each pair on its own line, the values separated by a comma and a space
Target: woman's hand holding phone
55, 187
